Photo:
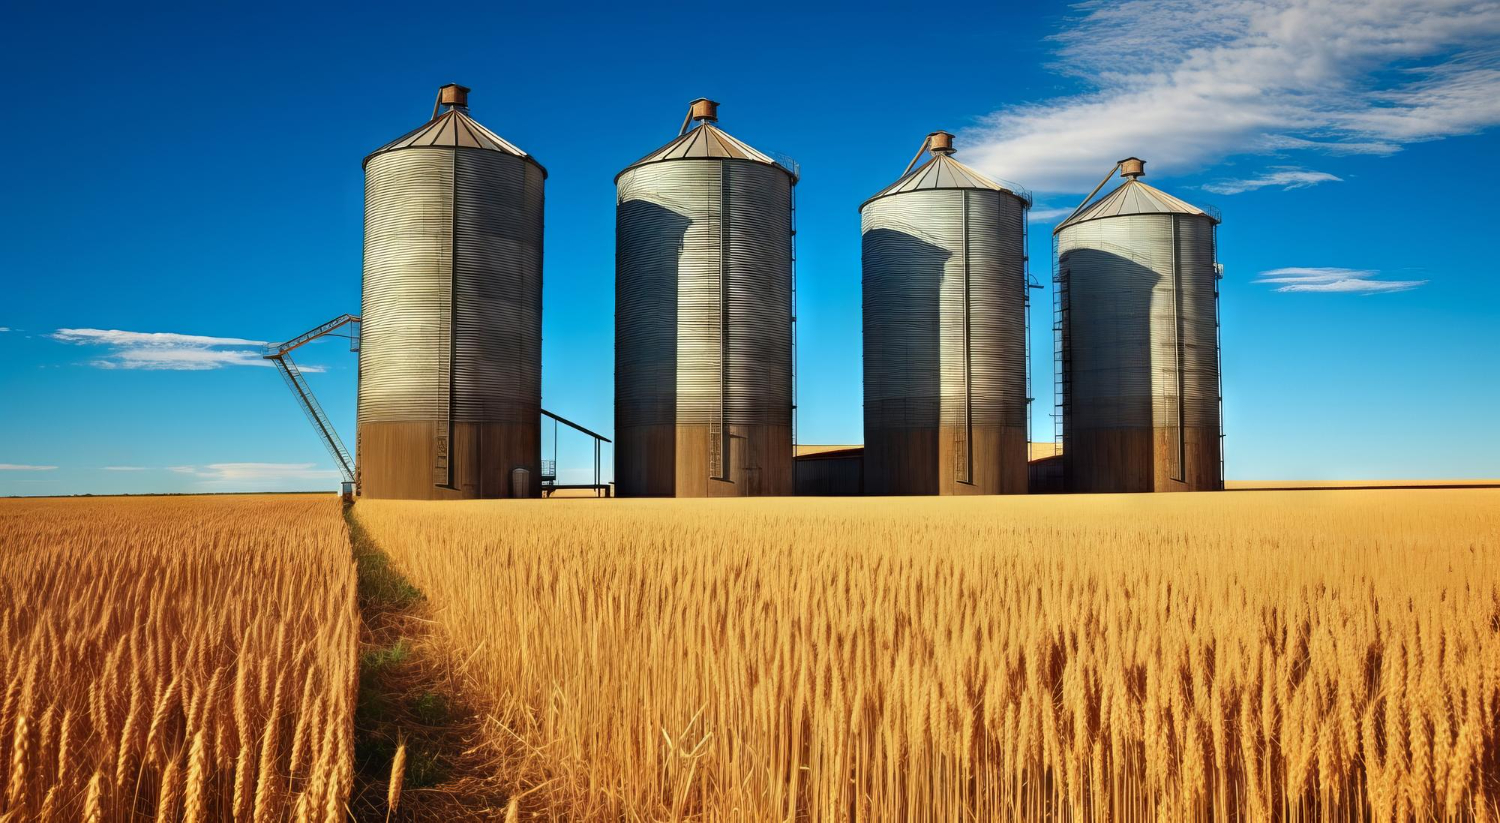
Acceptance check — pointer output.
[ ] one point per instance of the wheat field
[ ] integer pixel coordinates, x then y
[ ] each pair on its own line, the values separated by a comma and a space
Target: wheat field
1277, 655
176, 659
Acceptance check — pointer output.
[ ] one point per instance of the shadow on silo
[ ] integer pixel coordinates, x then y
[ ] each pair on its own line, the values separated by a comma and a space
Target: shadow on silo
902, 362
1108, 428
649, 241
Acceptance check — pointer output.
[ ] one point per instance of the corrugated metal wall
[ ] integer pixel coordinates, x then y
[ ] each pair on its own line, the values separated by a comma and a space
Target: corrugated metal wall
651, 245
703, 269
442, 219
758, 265
1142, 344
1200, 365
944, 319
450, 355
498, 275
907, 243
997, 310
404, 351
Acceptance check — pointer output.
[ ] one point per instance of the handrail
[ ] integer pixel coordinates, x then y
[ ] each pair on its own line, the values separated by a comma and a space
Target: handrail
598, 440
567, 422
306, 337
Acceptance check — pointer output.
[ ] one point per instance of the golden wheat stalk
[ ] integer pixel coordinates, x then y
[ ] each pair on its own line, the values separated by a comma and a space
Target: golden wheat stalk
398, 777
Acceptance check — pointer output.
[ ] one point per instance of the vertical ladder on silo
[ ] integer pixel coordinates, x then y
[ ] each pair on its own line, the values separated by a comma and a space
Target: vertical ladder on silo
1219, 353
1027, 284
791, 166
1061, 353
359, 433
442, 426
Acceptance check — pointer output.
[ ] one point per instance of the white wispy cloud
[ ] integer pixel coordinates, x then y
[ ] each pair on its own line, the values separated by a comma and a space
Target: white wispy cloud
256, 472
1333, 280
4, 328
21, 467
1187, 83
1043, 214
115, 337
167, 350
125, 468
1283, 179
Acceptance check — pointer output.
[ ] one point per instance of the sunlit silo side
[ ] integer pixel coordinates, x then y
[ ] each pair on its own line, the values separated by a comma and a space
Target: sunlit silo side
1137, 337
703, 318
451, 345
944, 302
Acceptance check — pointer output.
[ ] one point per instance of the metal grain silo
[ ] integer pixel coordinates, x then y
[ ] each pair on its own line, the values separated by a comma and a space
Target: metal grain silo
1136, 326
451, 345
703, 318
944, 258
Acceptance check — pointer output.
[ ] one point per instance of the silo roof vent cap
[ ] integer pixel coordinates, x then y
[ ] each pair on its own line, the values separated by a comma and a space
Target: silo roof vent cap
704, 110
940, 142
453, 96
1132, 168
451, 126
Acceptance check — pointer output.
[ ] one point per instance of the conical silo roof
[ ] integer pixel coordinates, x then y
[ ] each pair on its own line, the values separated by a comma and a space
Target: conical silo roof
454, 128
940, 171
1133, 197
705, 140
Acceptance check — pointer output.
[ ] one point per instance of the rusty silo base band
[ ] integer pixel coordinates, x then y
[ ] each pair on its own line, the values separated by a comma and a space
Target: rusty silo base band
672, 461
924, 461
645, 460
396, 459
1140, 460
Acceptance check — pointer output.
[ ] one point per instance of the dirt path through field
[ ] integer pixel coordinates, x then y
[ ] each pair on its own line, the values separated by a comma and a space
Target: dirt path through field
408, 694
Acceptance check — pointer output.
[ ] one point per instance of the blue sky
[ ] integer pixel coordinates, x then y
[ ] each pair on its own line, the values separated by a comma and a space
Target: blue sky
195, 172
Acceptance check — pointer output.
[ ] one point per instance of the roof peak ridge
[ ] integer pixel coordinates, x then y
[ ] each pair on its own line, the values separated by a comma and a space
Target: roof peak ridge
443, 131
926, 177
1127, 199
697, 144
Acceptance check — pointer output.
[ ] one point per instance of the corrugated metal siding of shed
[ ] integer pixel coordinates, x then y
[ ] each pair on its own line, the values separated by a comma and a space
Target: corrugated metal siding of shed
404, 352
498, 276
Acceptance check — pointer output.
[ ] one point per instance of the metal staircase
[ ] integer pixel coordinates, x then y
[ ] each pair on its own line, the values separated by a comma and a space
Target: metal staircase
280, 354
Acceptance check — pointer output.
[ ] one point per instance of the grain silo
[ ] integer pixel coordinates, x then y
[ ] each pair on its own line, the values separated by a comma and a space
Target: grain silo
703, 318
451, 345
944, 258
1136, 329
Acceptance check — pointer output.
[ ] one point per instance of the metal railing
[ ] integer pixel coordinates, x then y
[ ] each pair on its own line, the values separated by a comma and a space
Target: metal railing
599, 441
280, 354
787, 163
